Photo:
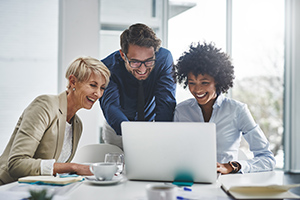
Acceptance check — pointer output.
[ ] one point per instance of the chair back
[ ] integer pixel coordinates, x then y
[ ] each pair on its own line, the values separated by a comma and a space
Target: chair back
93, 153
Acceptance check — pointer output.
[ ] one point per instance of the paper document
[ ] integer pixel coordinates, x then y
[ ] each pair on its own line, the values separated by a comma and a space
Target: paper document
262, 185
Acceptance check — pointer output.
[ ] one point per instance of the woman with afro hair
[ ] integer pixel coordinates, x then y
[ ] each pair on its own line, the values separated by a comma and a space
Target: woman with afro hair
208, 73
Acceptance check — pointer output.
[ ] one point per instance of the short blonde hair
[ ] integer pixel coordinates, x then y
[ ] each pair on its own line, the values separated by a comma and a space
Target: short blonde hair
83, 66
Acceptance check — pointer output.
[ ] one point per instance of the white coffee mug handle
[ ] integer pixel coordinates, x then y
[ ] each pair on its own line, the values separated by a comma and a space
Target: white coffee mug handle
92, 169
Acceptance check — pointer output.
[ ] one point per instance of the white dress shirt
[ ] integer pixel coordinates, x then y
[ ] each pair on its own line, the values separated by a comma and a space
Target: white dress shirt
232, 119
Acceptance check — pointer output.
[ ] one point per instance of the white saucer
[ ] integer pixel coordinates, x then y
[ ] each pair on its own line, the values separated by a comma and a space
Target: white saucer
93, 180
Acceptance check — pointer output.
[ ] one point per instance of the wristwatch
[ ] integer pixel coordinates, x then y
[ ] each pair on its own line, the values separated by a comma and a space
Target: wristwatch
235, 166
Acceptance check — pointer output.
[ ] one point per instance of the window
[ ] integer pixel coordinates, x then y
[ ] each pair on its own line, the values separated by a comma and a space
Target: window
257, 51
204, 22
258, 57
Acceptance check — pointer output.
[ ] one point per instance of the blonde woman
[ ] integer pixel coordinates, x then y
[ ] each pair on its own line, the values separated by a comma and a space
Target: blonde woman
48, 131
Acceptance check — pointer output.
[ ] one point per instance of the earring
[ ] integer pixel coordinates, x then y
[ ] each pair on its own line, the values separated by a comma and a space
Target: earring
74, 89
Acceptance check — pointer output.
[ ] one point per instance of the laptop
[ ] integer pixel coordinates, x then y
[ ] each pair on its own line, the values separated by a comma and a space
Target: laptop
170, 151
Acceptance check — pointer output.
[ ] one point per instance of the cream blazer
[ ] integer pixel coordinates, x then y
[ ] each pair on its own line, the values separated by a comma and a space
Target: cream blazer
39, 134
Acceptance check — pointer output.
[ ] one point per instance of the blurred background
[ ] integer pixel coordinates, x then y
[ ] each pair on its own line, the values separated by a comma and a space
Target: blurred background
39, 38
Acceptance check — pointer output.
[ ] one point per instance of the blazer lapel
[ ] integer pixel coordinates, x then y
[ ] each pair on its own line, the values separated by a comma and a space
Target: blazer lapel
62, 118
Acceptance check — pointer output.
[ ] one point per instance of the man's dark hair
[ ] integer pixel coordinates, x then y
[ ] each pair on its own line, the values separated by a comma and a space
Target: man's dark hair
206, 59
140, 35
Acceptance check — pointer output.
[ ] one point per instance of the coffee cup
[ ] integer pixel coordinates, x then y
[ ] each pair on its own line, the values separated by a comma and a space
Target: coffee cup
103, 171
160, 192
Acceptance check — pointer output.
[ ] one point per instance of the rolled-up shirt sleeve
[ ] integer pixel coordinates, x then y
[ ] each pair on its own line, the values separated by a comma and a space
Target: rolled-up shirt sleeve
258, 144
263, 157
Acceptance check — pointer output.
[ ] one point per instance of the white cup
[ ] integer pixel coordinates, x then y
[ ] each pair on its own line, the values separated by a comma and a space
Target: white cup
103, 171
160, 192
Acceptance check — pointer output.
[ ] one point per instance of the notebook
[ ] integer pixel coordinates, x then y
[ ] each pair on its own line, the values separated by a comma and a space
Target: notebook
170, 151
49, 180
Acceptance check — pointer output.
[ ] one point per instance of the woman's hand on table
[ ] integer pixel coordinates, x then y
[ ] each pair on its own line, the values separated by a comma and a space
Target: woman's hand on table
224, 168
75, 168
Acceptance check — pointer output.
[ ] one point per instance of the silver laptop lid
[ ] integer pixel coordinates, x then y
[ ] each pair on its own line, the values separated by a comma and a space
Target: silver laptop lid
166, 151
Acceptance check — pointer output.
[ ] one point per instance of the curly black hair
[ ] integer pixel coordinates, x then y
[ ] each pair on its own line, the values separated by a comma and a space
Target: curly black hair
206, 59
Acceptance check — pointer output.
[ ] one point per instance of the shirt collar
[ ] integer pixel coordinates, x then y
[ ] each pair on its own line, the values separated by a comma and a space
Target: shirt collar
219, 100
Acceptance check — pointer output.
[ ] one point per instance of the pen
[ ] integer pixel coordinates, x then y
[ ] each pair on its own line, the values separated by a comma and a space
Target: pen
181, 198
184, 189
187, 189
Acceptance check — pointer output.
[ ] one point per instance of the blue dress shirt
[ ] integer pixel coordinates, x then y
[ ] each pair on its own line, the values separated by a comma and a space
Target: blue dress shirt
232, 119
119, 101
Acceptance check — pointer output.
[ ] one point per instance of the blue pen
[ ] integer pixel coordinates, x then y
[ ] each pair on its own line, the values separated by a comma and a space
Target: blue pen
181, 198
184, 189
187, 189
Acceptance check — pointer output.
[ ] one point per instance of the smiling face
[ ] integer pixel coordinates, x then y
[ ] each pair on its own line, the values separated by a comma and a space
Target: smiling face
88, 92
203, 88
138, 53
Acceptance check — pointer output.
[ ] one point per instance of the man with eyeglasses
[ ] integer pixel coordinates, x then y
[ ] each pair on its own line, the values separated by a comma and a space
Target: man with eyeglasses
142, 86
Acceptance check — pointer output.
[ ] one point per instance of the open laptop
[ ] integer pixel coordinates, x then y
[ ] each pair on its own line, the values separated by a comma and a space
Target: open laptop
170, 151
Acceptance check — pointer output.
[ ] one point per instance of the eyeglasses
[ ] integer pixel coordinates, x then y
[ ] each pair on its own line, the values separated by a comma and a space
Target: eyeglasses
138, 64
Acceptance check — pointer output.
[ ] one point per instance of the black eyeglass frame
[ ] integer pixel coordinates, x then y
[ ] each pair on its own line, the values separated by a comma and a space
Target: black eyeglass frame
141, 62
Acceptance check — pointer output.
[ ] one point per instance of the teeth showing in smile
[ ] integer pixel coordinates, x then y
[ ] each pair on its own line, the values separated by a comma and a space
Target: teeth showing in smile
201, 95
93, 100
140, 73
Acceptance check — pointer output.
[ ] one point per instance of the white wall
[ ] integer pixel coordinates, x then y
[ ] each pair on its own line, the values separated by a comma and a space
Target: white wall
119, 15
28, 57
79, 35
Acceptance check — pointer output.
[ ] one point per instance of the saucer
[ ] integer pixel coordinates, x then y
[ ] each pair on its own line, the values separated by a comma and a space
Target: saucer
93, 180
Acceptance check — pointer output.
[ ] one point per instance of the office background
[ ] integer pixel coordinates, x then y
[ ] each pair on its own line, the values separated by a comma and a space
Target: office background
38, 39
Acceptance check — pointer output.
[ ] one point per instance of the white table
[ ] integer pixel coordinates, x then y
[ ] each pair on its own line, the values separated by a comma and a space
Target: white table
136, 190
129, 190
126, 190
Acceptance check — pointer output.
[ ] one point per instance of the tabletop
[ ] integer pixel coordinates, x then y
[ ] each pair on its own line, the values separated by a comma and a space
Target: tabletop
136, 190
129, 190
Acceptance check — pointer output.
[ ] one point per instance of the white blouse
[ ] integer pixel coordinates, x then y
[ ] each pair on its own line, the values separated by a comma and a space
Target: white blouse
233, 120
47, 165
